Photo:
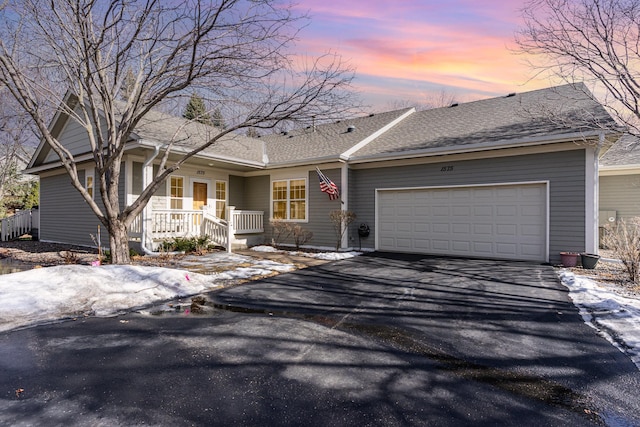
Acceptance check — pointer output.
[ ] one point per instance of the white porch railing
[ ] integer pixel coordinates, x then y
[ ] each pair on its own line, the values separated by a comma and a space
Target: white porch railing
245, 222
168, 223
217, 229
22, 222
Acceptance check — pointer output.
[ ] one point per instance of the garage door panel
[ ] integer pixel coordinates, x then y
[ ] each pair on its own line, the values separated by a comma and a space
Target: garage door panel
420, 227
463, 211
531, 250
506, 249
483, 229
507, 221
461, 245
506, 210
461, 228
438, 210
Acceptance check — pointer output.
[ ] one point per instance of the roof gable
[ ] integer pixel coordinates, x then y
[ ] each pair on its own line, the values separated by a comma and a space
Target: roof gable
329, 141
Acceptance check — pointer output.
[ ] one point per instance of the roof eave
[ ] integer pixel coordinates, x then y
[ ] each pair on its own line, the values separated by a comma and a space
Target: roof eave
142, 143
485, 146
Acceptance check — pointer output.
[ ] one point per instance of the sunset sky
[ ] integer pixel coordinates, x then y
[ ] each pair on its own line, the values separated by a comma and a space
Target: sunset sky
409, 50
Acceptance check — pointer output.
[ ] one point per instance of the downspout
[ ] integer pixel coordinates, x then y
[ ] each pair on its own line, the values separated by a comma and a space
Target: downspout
592, 237
145, 211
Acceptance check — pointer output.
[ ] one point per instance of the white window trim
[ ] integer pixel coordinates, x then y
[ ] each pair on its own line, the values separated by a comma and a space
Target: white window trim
184, 192
215, 193
306, 199
90, 173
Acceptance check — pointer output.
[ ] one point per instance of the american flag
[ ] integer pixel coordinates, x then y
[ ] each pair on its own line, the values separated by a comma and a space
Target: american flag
327, 186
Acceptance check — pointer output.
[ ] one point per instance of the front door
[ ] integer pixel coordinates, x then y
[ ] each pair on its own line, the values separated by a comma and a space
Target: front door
199, 195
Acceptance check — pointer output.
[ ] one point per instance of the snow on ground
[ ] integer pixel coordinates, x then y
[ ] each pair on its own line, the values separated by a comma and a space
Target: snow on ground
48, 294
327, 256
615, 317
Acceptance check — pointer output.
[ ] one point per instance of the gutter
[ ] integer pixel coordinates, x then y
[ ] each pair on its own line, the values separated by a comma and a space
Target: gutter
484, 146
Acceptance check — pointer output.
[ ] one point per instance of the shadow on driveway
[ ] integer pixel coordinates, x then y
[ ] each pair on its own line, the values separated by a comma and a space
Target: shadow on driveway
381, 339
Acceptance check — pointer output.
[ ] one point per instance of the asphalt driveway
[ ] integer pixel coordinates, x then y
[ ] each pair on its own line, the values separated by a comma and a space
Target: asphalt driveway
380, 339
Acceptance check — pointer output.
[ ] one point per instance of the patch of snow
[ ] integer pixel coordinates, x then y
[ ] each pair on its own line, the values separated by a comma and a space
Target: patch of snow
265, 248
47, 294
614, 316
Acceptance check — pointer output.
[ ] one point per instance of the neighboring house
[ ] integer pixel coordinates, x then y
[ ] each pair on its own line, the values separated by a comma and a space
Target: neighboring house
620, 180
513, 177
20, 160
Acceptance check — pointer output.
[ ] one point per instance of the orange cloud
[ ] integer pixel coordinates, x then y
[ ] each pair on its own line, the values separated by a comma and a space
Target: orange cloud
463, 45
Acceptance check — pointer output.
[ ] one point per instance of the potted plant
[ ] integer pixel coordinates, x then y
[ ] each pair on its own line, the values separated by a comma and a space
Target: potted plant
589, 261
569, 259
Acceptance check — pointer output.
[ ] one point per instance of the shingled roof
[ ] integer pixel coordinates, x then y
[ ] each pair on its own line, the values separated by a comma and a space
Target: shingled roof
527, 117
625, 152
566, 112
160, 128
329, 141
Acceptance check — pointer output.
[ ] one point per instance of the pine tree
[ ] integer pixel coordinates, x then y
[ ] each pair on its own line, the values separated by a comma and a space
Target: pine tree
217, 120
196, 110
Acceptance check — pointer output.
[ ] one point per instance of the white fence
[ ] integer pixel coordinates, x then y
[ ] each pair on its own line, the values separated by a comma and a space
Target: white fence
22, 222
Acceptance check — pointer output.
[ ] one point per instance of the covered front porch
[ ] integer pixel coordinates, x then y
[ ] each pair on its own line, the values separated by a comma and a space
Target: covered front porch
236, 232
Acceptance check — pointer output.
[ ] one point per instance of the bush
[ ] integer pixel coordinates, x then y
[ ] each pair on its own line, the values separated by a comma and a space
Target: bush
341, 220
282, 230
623, 238
301, 235
186, 244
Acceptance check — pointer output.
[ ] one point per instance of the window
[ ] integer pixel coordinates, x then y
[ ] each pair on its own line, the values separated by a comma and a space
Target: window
289, 199
88, 181
176, 192
221, 199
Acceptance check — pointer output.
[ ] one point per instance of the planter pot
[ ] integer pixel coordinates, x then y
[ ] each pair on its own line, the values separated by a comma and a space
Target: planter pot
569, 259
589, 261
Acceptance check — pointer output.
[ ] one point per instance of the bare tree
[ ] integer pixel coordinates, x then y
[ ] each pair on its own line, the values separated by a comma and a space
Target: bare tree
594, 41
431, 100
238, 50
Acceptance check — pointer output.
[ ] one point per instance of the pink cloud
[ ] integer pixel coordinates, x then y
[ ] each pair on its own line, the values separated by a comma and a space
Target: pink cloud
461, 43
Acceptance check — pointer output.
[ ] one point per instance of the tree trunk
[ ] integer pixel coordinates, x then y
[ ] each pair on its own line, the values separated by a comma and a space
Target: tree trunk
119, 242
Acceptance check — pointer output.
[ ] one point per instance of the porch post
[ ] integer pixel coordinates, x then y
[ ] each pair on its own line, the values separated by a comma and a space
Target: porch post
146, 226
230, 228
344, 198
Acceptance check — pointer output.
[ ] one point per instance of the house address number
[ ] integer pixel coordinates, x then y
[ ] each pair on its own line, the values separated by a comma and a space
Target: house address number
446, 169
200, 172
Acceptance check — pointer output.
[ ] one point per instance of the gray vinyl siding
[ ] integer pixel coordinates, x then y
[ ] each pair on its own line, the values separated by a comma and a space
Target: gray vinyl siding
252, 194
319, 208
257, 196
620, 193
565, 172
236, 191
75, 140
136, 176
159, 199
64, 215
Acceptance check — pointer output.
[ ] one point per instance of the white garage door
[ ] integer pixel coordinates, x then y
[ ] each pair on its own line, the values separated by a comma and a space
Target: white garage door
499, 221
